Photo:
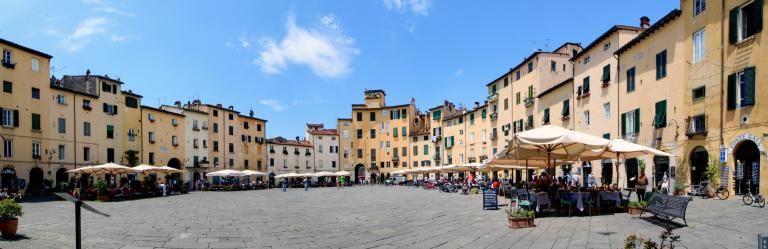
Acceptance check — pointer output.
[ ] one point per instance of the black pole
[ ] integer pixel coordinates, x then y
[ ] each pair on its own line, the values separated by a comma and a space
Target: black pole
77, 224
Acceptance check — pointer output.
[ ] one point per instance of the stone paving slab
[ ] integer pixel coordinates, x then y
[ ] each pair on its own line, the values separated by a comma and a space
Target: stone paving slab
361, 217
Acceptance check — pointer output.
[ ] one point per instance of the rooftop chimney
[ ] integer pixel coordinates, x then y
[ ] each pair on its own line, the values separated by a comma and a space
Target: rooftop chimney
218, 105
645, 22
177, 104
477, 104
297, 138
232, 108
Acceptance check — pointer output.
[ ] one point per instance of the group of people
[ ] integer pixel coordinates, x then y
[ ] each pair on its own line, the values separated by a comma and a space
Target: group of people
341, 181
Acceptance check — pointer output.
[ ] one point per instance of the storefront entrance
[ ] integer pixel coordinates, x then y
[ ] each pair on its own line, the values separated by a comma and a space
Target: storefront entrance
631, 170
7, 176
747, 157
699, 161
36, 186
660, 169
359, 173
606, 175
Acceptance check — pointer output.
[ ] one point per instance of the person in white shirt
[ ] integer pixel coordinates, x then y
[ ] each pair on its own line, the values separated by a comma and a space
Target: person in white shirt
575, 180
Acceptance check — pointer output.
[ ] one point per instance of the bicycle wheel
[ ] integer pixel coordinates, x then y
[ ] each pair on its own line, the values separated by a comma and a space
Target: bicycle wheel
723, 194
760, 202
747, 200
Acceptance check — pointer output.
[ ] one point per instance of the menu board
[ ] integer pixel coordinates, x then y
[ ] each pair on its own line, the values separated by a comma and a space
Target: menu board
755, 173
740, 171
724, 176
490, 199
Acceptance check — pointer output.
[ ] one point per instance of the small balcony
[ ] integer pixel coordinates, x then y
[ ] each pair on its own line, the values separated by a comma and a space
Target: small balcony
8, 64
436, 157
472, 159
494, 116
493, 97
395, 158
529, 101
308, 153
697, 125
631, 137
494, 136
195, 128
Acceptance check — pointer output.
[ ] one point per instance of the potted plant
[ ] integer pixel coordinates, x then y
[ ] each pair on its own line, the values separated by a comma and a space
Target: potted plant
102, 190
713, 176
636, 207
520, 218
679, 189
9, 217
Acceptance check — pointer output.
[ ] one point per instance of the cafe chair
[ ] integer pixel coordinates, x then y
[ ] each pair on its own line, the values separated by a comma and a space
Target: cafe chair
566, 201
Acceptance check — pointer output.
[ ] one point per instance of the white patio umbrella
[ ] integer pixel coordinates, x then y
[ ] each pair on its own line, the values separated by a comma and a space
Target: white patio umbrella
623, 149
324, 174
554, 141
168, 169
143, 168
249, 172
226, 172
107, 168
343, 173
289, 175
400, 172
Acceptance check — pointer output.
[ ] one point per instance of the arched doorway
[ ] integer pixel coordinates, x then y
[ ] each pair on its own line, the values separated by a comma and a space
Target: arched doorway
61, 177
195, 178
176, 164
747, 155
7, 177
373, 178
359, 173
699, 161
36, 186
631, 170
272, 179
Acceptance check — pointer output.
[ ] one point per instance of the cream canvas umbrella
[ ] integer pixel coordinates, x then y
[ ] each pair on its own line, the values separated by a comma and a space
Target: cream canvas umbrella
107, 168
554, 141
343, 173
249, 172
143, 168
289, 175
167, 169
623, 149
226, 172
400, 172
324, 174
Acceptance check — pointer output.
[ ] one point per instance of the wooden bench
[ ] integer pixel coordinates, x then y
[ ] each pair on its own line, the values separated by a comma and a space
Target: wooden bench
668, 207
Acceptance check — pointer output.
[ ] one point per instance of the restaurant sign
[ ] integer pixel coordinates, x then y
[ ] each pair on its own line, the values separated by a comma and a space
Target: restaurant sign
747, 136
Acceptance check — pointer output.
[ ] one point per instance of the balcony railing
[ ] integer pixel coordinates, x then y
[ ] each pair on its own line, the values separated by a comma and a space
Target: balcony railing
494, 136
529, 101
395, 158
471, 159
494, 116
8, 64
631, 137
493, 97
436, 157
697, 125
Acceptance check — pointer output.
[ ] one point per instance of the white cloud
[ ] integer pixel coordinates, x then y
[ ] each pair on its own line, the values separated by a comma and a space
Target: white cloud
102, 6
84, 33
417, 7
245, 41
459, 72
117, 38
326, 50
274, 104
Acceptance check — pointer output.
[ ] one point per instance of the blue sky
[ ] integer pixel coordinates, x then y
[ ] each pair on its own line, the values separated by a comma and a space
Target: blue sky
294, 62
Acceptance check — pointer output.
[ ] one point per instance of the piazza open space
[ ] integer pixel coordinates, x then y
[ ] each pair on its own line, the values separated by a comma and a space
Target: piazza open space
371, 216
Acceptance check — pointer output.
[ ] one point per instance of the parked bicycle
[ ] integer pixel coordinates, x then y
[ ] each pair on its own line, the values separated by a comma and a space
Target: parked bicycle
750, 198
704, 189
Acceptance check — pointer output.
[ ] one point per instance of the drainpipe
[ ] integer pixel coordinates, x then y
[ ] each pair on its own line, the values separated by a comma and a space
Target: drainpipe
141, 130
722, 68
74, 127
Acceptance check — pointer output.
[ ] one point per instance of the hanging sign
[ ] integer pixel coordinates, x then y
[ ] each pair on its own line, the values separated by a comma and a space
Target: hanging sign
724, 177
740, 171
723, 153
755, 173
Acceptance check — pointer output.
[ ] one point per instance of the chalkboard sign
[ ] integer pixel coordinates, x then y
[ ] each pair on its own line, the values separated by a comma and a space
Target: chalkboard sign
490, 200
724, 177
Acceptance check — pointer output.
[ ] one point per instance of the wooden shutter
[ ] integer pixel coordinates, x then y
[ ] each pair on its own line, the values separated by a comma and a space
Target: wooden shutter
731, 91
114, 109
15, 118
733, 26
758, 18
606, 73
105, 106
586, 84
624, 124
637, 120
660, 119
2, 116
749, 87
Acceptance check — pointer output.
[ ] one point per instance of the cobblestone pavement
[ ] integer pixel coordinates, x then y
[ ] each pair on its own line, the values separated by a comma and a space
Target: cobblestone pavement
360, 217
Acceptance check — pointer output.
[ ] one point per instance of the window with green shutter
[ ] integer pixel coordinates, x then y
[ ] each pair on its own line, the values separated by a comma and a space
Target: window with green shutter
566, 108
546, 115
660, 119
517, 98
637, 120
506, 104
606, 73
403, 131
436, 115
530, 91
483, 113
607, 135
631, 79
36, 122
623, 124
394, 132
747, 89
661, 64
426, 150
699, 93
585, 85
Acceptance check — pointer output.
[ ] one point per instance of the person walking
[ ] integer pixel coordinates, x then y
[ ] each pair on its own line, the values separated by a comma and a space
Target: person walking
306, 183
284, 183
642, 183
342, 181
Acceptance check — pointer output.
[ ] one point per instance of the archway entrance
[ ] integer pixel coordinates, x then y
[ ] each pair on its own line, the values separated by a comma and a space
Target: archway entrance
195, 179
699, 161
271, 179
373, 178
631, 170
661, 169
174, 178
61, 176
36, 186
747, 155
359, 173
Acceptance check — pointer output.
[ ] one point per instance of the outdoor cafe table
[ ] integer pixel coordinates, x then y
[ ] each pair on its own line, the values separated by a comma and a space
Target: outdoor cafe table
541, 199
579, 197
608, 196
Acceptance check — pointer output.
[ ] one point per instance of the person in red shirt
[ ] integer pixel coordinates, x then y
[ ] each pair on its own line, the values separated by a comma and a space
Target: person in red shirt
496, 183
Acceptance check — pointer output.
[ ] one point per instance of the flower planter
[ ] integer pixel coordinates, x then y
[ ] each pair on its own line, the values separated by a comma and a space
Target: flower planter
103, 198
515, 223
679, 192
635, 211
8, 228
